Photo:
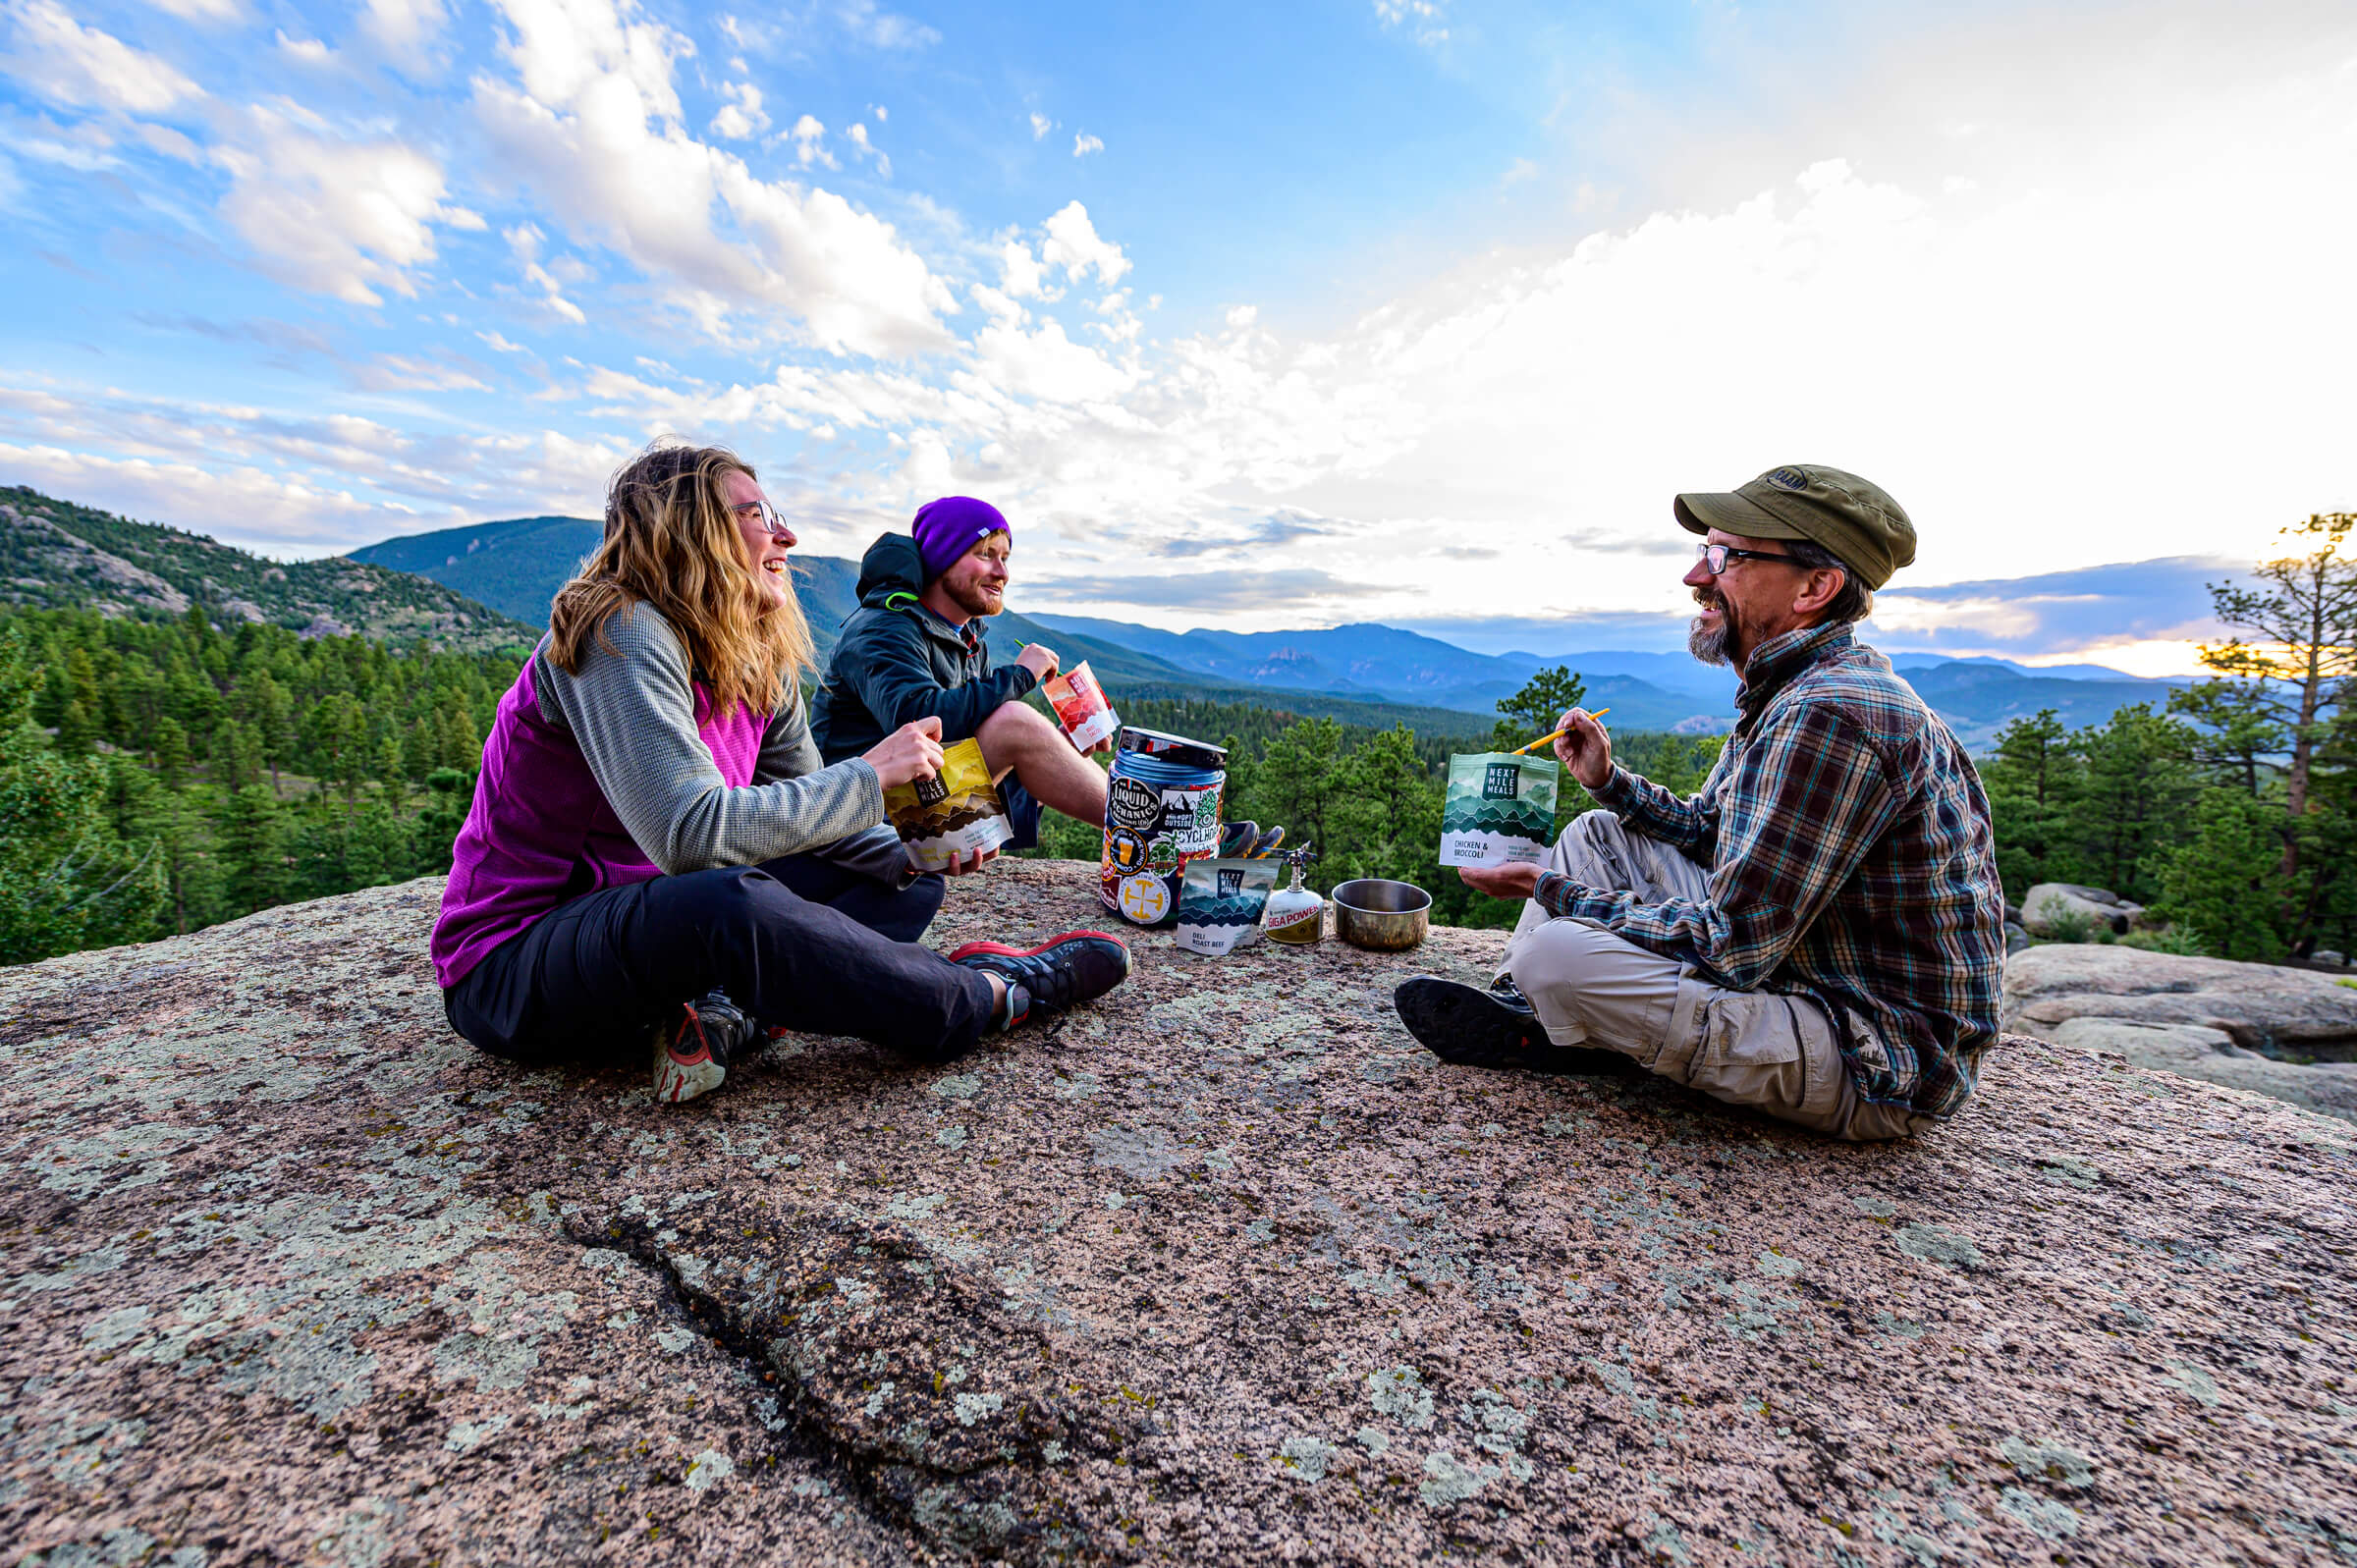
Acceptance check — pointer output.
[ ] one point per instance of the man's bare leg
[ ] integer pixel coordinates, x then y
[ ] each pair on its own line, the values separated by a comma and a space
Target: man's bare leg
1017, 739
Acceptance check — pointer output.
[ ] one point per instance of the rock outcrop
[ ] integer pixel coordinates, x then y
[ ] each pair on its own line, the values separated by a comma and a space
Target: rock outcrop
2263, 1008
1224, 1270
2209, 1018
2052, 908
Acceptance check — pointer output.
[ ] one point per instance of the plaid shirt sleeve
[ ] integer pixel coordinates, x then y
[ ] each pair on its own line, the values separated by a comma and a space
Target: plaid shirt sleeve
1802, 807
1690, 826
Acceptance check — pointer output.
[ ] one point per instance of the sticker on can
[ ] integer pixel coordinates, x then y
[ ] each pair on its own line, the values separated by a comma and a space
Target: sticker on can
1145, 899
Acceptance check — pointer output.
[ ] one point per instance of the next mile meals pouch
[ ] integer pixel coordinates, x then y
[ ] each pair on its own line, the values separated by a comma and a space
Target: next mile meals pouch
955, 812
1499, 809
1220, 904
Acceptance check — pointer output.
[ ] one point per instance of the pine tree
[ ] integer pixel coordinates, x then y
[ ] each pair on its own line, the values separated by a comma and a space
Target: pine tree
2226, 883
1389, 815
77, 730
2137, 799
2293, 662
253, 842
1536, 709
171, 754
2033, 783
1298, 782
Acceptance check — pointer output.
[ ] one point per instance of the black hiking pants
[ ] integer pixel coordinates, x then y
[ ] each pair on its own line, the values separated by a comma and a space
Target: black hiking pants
798, 943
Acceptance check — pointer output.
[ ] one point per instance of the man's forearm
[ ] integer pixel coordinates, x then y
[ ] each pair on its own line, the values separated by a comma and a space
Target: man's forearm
1654, 811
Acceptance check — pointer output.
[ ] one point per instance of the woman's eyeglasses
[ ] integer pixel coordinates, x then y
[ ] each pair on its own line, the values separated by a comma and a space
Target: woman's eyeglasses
1716, 557
766, 514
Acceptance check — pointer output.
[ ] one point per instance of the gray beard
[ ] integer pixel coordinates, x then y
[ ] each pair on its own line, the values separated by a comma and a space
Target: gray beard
1708, 642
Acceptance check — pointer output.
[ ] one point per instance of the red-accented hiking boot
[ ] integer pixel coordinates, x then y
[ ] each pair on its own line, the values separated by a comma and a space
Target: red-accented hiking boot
694, 1060
1061, 972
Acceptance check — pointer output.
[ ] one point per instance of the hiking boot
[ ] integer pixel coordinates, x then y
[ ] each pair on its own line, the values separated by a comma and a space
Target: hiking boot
1493, 1028
694, 1060
1061, 972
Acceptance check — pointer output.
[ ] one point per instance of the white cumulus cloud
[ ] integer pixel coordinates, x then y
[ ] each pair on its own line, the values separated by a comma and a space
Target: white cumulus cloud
592, 130
404, 29
1074, 245
1083, 145
809, 142
740, 119
340, 218
60, 59
861, 145
308, 51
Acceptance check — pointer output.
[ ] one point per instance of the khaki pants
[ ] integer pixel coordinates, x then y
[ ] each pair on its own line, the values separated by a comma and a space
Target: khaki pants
1748, 1047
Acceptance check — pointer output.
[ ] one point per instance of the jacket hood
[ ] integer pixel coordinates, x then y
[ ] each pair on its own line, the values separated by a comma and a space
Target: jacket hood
892, 565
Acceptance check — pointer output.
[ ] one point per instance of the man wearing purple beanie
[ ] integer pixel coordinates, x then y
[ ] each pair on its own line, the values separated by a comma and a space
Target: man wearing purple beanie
914, 649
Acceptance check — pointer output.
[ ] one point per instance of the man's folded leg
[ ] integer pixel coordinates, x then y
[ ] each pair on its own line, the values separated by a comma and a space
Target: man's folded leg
1585, 987
1597, 849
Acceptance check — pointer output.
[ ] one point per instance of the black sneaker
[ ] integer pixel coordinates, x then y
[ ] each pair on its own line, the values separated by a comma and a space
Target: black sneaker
1494, 1028
1061, 972
693, 1060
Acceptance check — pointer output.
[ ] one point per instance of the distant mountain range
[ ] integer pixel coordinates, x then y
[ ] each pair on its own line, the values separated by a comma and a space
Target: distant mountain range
1366, 672
57, 555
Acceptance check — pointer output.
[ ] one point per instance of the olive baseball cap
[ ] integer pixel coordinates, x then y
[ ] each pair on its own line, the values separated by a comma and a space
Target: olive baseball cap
1853, 517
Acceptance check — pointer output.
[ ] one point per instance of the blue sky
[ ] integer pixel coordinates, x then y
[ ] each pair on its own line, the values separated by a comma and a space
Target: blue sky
1415, 310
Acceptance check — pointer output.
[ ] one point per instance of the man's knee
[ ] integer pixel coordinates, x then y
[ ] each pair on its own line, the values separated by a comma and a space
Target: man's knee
1598, 826
1012, 728
1589, 982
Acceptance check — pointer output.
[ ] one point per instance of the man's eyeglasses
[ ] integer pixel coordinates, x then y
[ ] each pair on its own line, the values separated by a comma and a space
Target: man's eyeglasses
765, 513
1716, 557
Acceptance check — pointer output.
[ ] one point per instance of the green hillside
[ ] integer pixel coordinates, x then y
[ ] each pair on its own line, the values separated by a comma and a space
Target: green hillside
56, 555
515, 567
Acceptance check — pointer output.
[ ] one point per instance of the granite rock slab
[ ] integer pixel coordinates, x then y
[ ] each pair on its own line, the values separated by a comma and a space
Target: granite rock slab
1224, 1269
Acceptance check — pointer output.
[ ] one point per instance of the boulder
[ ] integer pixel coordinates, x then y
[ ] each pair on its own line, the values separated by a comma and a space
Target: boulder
2051, 908
2016, 939
2211, 1056
1224, 1269
2265, 1008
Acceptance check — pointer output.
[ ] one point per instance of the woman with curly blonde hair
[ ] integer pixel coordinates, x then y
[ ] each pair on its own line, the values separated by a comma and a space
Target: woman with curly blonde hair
653, 840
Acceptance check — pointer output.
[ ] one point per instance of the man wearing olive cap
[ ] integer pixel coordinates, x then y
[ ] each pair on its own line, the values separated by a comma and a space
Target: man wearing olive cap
1820, 931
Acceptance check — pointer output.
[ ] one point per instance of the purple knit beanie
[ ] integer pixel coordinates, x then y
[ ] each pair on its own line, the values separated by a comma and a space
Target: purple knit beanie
947, 529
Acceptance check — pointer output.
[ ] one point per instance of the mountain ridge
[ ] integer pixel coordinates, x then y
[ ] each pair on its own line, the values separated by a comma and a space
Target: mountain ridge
516, 565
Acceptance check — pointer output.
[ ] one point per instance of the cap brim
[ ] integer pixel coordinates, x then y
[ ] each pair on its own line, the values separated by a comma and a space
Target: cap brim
1701, 511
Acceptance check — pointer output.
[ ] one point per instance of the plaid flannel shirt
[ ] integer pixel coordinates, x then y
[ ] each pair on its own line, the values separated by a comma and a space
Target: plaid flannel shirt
1851, 860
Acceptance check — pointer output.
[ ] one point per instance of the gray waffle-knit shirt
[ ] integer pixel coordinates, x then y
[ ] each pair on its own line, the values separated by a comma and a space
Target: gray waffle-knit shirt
632, 710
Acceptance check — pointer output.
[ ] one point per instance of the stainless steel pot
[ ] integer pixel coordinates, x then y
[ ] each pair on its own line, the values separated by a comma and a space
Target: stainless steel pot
1384, 916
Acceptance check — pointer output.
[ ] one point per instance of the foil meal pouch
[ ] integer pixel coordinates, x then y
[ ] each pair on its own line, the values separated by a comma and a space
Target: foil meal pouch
1499, 809
1220, 902
955, 812
1081, 706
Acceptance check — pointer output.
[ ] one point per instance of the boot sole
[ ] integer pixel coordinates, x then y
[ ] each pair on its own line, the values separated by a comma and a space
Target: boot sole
1460, 1024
